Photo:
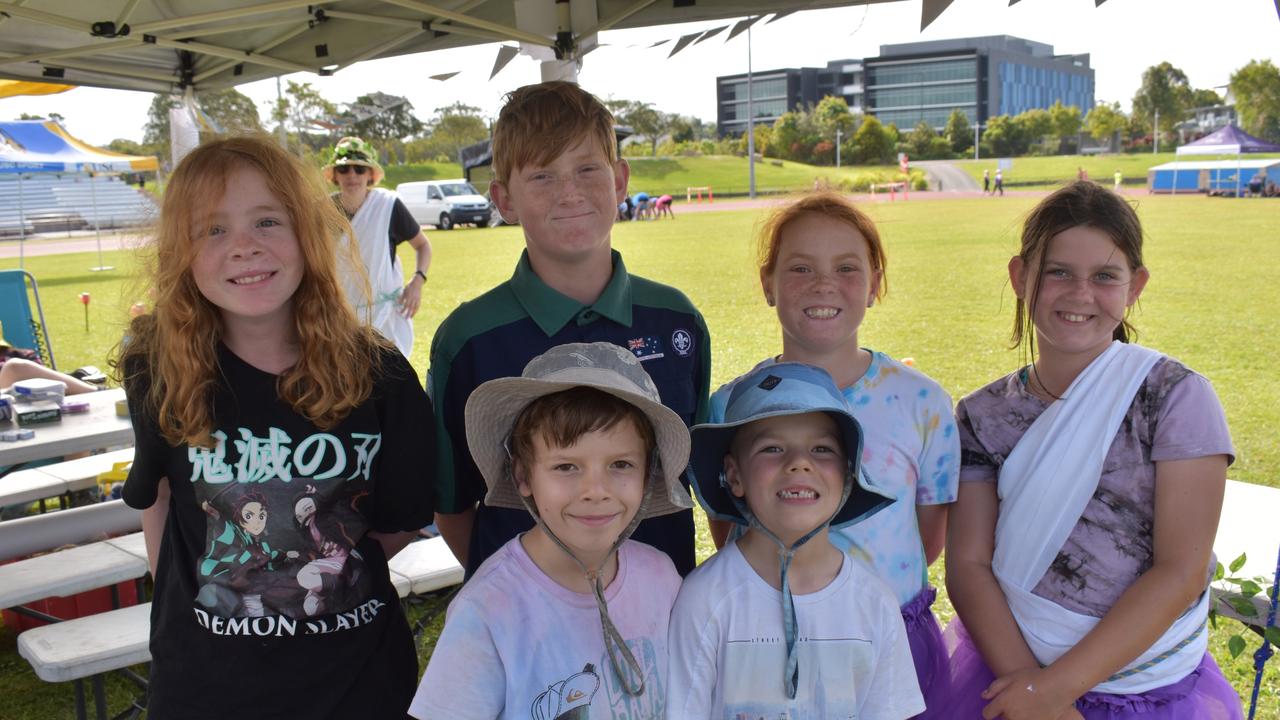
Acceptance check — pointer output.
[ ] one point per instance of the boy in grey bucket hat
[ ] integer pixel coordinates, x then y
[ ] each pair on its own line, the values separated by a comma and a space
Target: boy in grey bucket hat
781, 622
583, 443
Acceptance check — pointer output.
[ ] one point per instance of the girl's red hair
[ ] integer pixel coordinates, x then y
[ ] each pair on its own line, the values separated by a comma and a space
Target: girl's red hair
176, 345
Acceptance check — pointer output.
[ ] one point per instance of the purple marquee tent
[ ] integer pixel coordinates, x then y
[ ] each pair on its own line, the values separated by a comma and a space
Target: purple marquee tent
1228, 140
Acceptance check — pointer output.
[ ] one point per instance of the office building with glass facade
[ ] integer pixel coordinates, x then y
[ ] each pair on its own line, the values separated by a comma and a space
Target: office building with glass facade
911, 82
774, 92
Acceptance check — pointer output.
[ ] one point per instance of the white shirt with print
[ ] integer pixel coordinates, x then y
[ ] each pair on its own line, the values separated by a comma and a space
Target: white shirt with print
728, 648
517, 645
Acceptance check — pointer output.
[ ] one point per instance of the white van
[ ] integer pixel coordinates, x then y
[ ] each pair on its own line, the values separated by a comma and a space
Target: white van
445, 203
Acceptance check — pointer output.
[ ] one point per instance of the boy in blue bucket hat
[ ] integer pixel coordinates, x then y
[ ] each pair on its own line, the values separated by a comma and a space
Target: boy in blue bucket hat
781, 622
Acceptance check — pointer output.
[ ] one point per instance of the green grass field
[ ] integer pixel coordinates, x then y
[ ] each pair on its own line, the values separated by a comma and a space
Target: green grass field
1210, 303
725, 174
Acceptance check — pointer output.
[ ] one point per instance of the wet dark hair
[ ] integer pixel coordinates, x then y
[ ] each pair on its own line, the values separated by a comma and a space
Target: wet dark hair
1081, 203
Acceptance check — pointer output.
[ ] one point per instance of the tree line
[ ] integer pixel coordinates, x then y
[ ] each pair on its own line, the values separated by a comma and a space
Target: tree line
312, 123
808, 134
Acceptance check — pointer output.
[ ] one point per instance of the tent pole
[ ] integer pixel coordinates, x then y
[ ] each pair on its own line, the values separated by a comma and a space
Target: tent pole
22, 228
97, 230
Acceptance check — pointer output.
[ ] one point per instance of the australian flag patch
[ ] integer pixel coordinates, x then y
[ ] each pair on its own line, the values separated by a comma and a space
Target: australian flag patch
646, 348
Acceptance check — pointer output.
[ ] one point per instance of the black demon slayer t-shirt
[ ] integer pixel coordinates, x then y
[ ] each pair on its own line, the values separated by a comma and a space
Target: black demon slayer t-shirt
271, 601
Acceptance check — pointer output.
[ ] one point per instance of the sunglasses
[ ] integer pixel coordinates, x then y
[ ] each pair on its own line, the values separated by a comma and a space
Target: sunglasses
344, 169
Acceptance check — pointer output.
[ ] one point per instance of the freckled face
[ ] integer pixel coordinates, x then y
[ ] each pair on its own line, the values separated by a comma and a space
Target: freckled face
1082, 294
588, 493
790, 470
248, 262
822, 284
566, 207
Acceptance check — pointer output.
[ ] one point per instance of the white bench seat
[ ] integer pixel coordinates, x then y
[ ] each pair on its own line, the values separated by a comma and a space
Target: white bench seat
1248, 526
26, 486
68, 572
50, 481
38, 533
82, 473
428, 565
91, 645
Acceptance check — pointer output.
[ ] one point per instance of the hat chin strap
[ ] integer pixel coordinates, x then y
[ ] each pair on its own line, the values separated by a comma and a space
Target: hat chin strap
790, 673
614, 643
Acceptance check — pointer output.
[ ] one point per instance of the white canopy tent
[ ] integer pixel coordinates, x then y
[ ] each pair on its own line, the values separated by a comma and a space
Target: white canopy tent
168, 46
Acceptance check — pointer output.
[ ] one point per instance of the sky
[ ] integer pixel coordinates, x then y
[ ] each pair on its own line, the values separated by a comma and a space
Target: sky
1123, 38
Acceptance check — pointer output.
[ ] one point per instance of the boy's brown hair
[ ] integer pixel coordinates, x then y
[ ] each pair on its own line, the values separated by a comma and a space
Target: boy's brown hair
539, 122
559, 419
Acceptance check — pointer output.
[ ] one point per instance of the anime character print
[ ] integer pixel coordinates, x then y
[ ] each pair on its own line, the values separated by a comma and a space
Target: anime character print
276, 544
238, 555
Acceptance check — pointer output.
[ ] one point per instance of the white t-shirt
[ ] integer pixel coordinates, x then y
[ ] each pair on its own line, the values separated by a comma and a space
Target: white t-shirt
728, 648
517, 645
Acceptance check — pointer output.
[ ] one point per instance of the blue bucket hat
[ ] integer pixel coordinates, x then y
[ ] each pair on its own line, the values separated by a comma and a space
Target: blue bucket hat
770, 391
777, 390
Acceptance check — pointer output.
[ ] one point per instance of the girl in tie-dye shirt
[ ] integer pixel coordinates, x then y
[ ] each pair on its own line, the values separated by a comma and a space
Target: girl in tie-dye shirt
822, 265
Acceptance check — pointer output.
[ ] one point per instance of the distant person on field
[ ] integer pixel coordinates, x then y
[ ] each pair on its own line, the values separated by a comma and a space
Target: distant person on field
557, 173
1256, 184
380, 222
999, 188
1081, 173
662, 206
1118, 180
643, 206
986, 182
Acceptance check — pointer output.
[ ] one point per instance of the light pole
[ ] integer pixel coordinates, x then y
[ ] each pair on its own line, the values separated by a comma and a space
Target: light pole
1155, 132
838, 133
751, 128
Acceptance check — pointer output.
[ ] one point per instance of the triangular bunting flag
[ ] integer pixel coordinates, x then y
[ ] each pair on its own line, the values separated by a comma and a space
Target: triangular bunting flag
683, 43
505, 55
779, 16
664, 42
444, 76
931, 10
710, 34
742, 25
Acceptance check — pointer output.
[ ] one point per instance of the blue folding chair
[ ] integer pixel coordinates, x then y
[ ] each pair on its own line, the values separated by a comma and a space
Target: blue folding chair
21, 328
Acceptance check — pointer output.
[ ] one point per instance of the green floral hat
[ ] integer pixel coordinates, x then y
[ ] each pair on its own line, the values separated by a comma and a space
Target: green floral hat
354, 151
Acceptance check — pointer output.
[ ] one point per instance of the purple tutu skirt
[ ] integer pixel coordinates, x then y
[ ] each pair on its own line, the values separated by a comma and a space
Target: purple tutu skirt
1204, 694
929, 653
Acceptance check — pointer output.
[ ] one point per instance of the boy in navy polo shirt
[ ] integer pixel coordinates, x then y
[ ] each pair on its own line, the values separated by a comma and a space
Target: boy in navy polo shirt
557, 173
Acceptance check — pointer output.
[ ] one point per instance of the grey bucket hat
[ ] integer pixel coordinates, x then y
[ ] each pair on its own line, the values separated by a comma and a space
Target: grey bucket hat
493, 407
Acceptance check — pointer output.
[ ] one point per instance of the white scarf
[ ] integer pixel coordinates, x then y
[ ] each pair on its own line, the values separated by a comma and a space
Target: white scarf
372, 223
1044, 486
